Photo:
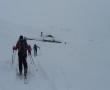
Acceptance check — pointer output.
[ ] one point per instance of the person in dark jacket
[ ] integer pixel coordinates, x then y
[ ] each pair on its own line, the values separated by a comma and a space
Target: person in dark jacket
22, 48
35, 48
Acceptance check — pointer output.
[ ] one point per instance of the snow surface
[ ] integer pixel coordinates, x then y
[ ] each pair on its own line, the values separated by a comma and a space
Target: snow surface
83, 63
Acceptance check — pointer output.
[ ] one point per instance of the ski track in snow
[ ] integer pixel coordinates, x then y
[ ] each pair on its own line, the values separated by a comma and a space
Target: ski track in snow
12, 69
46, 77
42, 73
86, 62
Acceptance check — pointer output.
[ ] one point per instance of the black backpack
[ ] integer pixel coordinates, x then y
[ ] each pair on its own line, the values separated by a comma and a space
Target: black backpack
23, 48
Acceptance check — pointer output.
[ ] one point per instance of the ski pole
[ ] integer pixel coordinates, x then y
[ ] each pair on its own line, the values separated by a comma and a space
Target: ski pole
13, 56
31, 58
32, 61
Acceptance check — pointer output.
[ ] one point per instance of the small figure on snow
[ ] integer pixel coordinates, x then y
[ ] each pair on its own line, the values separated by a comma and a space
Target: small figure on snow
35, 48
41, 34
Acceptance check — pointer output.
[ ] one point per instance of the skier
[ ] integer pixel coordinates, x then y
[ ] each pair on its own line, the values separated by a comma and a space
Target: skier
35, 47
22, 48
41, 34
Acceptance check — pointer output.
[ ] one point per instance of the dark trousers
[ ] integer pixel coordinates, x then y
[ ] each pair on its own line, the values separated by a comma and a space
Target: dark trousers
22, 64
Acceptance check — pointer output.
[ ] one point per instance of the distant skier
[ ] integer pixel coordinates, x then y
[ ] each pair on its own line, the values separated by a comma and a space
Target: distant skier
22, 48
41, 34
35, 48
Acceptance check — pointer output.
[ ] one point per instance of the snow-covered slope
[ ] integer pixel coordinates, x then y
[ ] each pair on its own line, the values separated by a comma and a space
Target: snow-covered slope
83, 63
80, 64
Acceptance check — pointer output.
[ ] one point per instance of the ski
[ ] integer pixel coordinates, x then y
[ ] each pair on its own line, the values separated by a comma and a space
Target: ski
22, 77
26, 81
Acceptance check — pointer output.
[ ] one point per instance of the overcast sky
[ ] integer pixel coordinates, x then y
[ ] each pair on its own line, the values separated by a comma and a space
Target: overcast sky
75, 14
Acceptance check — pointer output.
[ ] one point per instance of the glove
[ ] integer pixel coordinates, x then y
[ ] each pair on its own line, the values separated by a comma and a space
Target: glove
13, 47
